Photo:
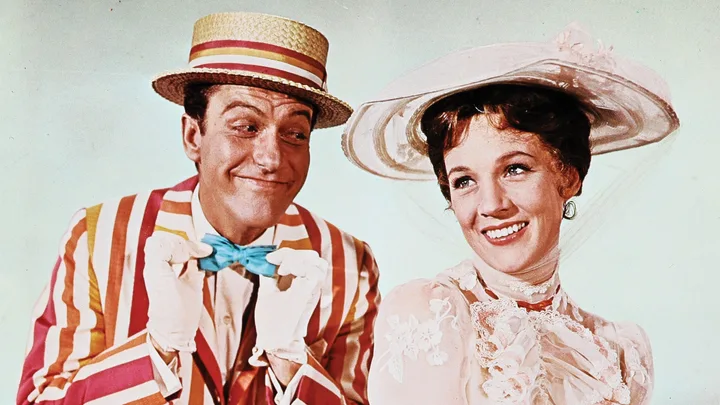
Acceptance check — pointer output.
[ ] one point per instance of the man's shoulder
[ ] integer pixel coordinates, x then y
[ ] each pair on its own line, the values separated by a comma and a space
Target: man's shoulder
126, 201
311, 219
137, 202
320, 228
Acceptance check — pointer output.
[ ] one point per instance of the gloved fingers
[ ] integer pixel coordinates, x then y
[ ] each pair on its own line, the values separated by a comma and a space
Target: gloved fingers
305, 266
198, 250
171, 248
286, 254
316, 273
159, 246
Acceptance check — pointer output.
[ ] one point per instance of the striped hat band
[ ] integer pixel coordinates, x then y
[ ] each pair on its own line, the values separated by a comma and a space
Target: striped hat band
259, 57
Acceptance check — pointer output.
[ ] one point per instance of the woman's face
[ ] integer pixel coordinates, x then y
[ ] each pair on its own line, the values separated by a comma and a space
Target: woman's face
507, 191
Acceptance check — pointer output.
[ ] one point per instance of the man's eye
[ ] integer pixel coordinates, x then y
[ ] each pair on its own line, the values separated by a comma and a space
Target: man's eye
246, 128
296, 137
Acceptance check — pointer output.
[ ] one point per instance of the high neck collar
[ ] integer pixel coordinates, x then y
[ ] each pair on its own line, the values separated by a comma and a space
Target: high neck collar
530, 286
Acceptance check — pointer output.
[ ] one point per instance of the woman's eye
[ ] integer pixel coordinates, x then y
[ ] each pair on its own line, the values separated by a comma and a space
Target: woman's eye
462, 182
516, 169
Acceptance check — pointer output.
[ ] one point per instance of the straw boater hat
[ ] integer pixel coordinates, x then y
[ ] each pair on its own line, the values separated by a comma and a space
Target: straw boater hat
258, 50
628, 104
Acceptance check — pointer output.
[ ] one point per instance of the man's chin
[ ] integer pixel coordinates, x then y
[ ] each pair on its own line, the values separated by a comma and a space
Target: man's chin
259, 215
256, 210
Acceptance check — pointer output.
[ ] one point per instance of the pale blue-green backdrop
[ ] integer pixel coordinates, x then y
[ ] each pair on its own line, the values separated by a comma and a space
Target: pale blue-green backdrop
79, 123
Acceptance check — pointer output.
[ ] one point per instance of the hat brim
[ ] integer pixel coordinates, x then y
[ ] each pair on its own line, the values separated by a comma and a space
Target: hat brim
384, 137
331, 110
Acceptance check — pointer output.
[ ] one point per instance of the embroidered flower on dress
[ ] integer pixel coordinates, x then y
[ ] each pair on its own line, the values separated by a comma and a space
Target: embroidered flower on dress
468, 281
401, 340
411, 337
427, 335
436, 357
465, 274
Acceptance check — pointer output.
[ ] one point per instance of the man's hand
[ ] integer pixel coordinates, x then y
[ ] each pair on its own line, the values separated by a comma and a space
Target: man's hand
282, 314
174, 292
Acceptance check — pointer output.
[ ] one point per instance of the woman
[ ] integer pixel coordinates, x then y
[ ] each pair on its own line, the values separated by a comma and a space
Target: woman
509, 131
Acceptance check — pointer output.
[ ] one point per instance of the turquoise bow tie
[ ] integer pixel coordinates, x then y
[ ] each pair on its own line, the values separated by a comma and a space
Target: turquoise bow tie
226, 253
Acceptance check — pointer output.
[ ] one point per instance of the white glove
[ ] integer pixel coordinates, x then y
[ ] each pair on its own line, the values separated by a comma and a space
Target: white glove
281, 317
175, 290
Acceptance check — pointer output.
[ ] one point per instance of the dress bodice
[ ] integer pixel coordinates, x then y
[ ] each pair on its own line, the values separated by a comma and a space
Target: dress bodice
451, 340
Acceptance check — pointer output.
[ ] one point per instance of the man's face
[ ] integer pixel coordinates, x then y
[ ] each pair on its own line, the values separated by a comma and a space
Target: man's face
253, 155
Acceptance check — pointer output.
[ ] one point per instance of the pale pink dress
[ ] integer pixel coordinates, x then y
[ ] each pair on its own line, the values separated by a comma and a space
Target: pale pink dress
449, 341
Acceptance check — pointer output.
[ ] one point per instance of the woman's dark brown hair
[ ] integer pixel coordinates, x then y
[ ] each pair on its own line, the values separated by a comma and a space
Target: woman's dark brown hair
557, 118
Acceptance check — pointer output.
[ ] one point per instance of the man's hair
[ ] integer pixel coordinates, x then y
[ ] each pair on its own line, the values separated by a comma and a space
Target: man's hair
196, 101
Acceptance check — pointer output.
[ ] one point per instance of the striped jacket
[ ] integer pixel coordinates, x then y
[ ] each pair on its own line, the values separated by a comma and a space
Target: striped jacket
88, 342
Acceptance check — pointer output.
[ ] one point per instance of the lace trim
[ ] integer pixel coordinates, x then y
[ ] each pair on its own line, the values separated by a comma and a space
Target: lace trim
528, 289
635, 369
411, 337
467, 278
508, 334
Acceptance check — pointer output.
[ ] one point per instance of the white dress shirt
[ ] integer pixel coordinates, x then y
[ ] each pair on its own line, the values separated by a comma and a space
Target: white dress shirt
230, 291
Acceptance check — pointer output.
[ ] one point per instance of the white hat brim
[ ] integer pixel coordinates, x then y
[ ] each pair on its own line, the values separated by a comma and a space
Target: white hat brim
629, 103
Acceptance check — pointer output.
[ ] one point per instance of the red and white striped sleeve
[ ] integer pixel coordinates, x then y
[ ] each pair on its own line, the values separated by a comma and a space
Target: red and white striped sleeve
67, 360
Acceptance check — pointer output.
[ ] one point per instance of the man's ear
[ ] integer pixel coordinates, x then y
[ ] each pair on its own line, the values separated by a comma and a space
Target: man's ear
192, 138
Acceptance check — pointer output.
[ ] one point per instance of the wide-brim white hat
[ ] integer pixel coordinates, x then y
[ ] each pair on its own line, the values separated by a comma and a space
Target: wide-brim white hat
628, 104
258, 50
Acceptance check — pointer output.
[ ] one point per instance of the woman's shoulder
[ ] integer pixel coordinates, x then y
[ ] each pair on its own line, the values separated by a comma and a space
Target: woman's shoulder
633, 342
628, 339
432, 300
444, 286
420, 297
618, 332
421, 338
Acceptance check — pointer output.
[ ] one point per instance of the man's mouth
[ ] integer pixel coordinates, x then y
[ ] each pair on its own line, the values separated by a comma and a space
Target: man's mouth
263, 183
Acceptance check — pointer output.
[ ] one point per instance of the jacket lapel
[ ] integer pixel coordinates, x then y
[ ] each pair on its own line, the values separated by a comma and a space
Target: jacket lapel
175, 216
291, 231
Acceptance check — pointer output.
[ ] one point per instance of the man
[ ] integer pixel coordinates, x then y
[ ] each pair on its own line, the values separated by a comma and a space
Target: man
219, 290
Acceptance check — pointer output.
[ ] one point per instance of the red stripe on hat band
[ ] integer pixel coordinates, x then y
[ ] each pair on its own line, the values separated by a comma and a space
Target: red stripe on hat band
230, 43
263, 70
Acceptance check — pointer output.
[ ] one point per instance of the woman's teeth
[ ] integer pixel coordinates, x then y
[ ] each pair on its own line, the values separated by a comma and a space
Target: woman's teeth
501, 233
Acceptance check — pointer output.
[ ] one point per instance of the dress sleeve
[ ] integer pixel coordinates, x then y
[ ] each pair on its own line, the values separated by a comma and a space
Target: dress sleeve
423, 343
634, 353
635, 357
